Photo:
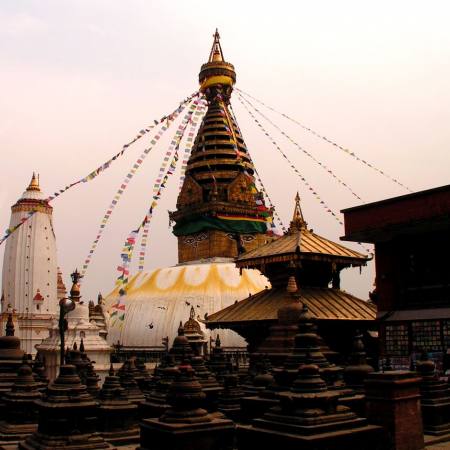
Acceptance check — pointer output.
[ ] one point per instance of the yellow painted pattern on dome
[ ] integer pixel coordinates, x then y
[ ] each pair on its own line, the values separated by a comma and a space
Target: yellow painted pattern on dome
164, 297
189, 280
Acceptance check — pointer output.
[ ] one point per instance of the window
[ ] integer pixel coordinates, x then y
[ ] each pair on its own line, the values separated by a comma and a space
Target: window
426, 336
397, 340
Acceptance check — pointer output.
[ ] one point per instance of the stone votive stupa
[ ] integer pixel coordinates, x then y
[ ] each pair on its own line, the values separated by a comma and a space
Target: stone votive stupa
230, 398
67, 416
181, 349
127, 380
21, 419
117, 416
155, 403
186, 425
218, 362
435, 398
309, 417
39, 371
11, 357
208, 381
280, 342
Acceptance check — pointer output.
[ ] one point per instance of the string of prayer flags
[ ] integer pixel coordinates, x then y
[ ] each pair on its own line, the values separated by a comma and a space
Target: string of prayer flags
305, 182
322, 165
198, 117
118, 310
123, 186
329, 141
103, 167
162, 177
127, 251
261, 185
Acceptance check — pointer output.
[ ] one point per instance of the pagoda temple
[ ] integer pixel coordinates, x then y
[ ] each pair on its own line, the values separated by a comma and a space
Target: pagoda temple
29, 277
220, 214
303, 259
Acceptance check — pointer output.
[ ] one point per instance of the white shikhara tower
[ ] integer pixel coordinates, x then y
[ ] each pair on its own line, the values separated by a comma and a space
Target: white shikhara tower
29, 280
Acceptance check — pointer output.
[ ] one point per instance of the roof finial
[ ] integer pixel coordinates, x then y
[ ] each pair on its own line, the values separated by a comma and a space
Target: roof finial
216, 50
10, 326
298, 222
34, 183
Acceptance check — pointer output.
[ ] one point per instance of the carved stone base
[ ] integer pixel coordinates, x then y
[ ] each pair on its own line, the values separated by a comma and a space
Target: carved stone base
218, 434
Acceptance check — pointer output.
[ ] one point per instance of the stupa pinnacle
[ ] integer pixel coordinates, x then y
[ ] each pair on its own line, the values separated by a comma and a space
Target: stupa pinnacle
220, 213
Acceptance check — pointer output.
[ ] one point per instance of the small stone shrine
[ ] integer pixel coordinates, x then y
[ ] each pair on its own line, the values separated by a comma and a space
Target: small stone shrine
435, 398
194, 334
155, 403
218, 362
208, 381
358, 369
185, 425
39, 371
309, 417
181, 348
67, 416
230, 398
117, 416
11, 357
128, 382
22, 413
280, 342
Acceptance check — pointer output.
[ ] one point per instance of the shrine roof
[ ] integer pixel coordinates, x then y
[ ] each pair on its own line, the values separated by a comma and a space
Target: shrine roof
323, 304
300, 244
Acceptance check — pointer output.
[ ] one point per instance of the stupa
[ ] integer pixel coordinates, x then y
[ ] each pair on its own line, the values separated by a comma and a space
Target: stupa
117, 416
21, 419
219, 213
29, 277
78, 327
97, 315
186, 425
435, 398
309, 417
67, 416
11, 357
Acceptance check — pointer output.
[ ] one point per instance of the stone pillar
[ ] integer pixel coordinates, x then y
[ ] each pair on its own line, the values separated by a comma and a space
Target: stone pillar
435, 398
393, 401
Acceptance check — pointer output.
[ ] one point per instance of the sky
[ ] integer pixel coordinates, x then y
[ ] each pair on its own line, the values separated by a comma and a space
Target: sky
80, 78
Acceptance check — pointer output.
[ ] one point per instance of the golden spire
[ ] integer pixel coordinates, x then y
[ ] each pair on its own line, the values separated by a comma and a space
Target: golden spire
298, 222
216, 54
34, 183
217, 75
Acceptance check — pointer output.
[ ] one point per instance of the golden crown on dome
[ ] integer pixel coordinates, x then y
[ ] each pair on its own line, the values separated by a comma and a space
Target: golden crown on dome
216, 71
34, 183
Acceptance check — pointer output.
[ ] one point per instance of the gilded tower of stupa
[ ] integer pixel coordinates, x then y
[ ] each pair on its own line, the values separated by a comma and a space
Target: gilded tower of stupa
220, 213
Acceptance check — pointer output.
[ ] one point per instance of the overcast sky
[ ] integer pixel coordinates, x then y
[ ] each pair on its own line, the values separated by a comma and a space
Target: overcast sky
80, 78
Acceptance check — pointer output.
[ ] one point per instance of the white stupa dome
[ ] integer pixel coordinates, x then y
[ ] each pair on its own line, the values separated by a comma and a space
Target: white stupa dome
156, 301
